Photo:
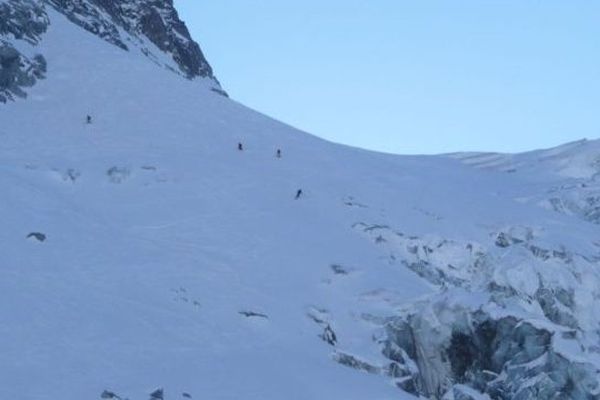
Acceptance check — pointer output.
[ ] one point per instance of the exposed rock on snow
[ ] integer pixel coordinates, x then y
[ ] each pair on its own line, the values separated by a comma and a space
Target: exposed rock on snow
20, 67
107, 394
158, 394
156, 20
253, 314
356, 363
152, 26
18, 72
40, 237
338, 269
24, 20
329, 336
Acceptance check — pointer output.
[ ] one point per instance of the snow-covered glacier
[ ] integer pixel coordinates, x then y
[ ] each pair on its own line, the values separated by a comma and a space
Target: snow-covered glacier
143, 256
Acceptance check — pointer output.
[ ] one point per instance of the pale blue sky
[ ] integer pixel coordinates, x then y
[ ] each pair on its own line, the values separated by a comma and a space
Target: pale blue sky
418, 76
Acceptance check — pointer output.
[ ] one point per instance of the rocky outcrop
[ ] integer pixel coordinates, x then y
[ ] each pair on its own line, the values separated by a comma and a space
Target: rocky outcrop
24, 21
154, 20
18, 72
151, 27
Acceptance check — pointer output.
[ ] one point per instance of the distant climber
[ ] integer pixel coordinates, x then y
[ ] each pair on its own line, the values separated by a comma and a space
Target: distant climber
298, 194
240, 147
278, 154
88, 119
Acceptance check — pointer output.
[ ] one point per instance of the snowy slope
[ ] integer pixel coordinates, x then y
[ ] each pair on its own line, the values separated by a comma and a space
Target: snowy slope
174, 261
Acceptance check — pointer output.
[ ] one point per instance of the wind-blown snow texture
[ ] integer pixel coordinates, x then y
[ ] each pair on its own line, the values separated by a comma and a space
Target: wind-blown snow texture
143, 251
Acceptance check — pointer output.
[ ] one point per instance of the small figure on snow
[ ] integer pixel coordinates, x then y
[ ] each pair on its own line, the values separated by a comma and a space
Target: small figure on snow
298, 194
278, 154
240, 147
88, 119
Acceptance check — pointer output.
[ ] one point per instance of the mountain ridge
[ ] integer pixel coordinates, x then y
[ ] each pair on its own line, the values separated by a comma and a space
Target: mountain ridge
152, 27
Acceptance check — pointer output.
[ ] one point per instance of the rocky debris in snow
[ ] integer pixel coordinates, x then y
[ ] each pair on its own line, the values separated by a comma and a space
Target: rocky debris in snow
40, 237
440, 261
368, 228
321, 318
252, 314
118, 174
355, 363
318, 315
158, 394
219, 91
125, 23
505, 240
434, 275
338, 269
186, 395
107, 394
558, 305
329, 335
502, 240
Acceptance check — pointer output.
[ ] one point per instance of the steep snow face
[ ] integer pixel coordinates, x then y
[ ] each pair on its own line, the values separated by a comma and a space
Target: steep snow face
129, 23
150, 27
568, 176
145, 256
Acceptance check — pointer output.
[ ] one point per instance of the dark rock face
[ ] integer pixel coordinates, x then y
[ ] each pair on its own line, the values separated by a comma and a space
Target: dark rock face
17, 72
161, 24
24, 20
149, 26
156, 20
90, 17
